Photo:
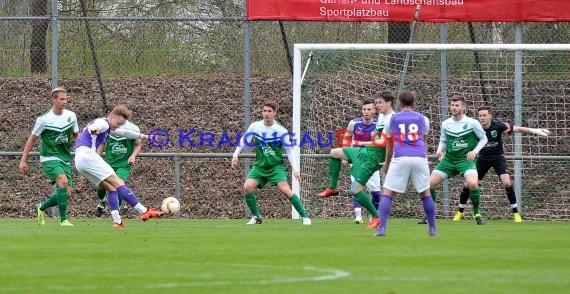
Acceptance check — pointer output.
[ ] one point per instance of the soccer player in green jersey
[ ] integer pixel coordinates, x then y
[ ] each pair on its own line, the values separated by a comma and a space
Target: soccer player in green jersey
460, 141
57, 128
269, 139
492, 155
365, 161
120, 153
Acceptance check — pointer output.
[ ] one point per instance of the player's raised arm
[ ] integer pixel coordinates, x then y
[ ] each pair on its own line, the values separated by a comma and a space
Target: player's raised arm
525, 130
129, 134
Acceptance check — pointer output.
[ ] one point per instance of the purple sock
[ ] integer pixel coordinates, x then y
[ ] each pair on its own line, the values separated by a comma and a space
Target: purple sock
376, 199
128, 195
113, 200
385, 207
355, 203
429, 209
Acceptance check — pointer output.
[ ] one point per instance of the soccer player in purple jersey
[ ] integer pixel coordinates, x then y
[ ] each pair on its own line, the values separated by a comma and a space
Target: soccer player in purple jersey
90, 165
406, 158
362, 128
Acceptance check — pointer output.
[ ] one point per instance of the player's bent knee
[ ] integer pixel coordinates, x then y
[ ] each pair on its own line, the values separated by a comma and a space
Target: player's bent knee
337, 153
472, 185
435, 179
248, 189
285, 189
61, 181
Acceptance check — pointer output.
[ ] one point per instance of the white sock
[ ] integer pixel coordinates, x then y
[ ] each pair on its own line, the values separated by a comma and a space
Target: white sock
115, 216
514, 205
140, 208
358, 212
461, 205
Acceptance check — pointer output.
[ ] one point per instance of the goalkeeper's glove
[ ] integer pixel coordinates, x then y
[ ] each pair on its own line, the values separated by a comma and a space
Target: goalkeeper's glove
540, 132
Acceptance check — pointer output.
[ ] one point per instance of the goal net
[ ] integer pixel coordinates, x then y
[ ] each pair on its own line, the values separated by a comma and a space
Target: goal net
525, 84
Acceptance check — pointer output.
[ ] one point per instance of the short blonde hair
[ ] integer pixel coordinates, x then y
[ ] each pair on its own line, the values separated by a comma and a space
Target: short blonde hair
56, 91
122, 110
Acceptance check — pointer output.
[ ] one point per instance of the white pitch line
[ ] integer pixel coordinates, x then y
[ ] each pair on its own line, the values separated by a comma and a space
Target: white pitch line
325, 275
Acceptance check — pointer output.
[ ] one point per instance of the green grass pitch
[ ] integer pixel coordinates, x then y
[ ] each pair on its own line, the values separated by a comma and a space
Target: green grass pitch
282, 256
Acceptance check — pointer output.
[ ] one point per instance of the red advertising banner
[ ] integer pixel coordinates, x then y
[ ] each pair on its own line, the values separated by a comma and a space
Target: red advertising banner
403, 10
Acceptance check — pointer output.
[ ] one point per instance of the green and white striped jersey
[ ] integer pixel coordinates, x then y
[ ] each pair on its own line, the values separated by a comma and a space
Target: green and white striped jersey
461, 136
56, 132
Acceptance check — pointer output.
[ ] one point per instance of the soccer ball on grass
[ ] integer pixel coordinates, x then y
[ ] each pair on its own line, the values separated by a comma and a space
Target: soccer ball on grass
170, 205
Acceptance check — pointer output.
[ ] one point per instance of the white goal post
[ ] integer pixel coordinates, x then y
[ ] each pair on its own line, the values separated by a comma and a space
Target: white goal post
495, 72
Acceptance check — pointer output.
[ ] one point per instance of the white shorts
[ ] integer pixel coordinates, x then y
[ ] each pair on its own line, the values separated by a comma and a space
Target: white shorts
373, 183
90, 165
407, 167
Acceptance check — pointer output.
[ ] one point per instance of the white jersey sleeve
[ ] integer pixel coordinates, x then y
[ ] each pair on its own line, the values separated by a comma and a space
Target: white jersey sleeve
75, 125
442, 139
242, 142
39, 127
99, 124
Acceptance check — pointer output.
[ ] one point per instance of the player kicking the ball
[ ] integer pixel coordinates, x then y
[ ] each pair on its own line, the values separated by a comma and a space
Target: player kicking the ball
365, 161
90, 165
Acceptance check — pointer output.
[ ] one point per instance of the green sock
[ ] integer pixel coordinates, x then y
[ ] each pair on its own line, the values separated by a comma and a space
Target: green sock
366, 202
51, 201
61, 194
101, 193
334, 172
475, 195
433, 194
252, 204
298, 205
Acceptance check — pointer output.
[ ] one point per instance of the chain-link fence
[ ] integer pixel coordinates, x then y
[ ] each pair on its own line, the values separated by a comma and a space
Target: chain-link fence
199, 65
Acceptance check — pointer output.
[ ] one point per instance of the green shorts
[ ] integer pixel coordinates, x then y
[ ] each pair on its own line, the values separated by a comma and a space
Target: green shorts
274, 175
453, 167
363, 167
122, 172
54, 168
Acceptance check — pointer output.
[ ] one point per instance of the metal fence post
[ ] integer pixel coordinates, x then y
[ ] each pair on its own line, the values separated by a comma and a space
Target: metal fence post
443, 104
246, 92
54, 42
518, 113
177, 192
